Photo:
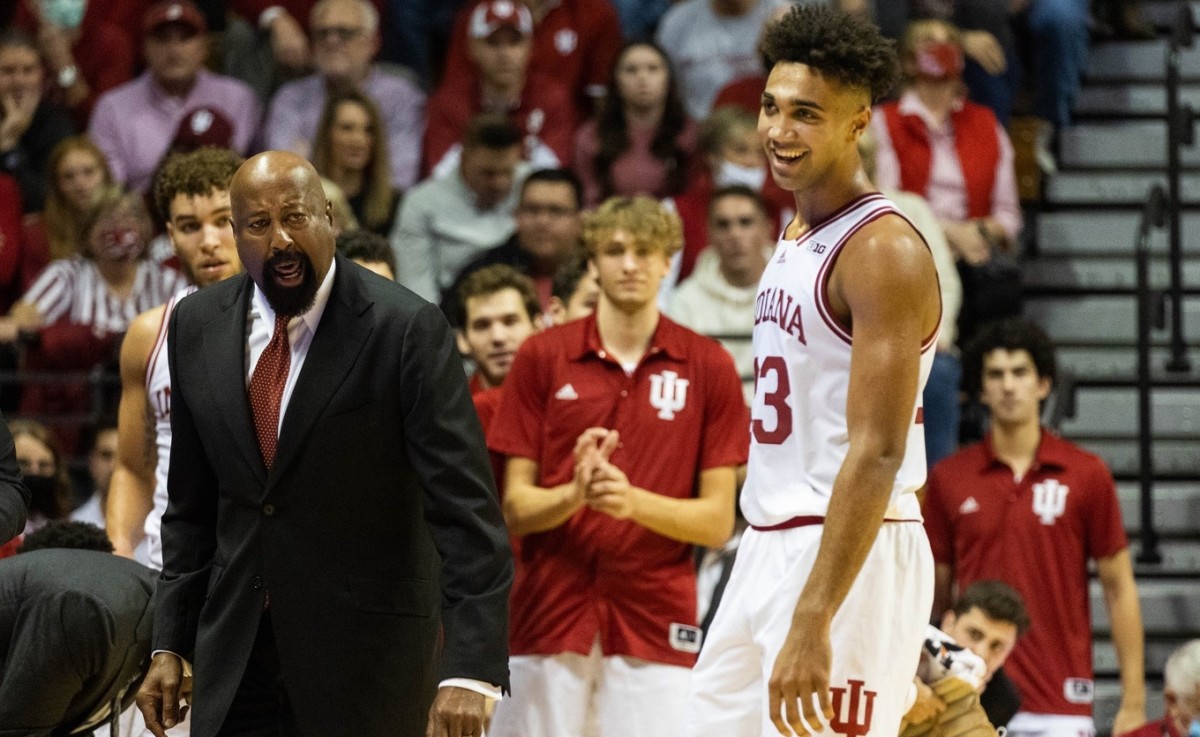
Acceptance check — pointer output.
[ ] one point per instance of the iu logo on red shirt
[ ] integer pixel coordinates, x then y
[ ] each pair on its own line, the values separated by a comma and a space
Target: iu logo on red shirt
668, 394
1049, 500
855, 719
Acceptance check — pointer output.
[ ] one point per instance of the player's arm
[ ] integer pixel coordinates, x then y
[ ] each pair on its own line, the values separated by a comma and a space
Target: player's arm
529, 508
1125, 613
706, 519
131, 491
886, 281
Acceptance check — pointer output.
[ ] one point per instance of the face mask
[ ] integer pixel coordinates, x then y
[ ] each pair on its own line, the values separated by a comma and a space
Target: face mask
66, 14
42, 492
939, 60
749, 176
120, 244
1194, 729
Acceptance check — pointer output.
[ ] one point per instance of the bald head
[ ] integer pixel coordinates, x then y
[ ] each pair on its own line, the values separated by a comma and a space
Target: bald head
284, 228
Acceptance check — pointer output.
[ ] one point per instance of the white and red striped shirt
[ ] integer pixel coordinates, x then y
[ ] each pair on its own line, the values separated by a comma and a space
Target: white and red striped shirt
73, 289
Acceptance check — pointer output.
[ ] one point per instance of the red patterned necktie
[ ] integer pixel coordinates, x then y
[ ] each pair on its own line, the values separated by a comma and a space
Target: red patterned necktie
266, 388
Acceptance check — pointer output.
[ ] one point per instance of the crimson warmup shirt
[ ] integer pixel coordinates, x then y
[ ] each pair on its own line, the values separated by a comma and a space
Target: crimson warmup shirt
1036, 535
576, 42
595, 574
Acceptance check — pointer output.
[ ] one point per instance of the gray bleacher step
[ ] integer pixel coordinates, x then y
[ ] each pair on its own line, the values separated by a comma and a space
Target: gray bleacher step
1163, 14
1114, 187
1131, 99
1101, 318
1171, 457
1125, 144
1176, 507
1138, 61
1112, 413
1104, 655
1081, 272
1106, 361
1108, 232
1167, 605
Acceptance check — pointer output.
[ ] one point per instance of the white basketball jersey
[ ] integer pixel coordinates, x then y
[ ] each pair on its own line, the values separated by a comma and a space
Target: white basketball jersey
158, 395
799, 437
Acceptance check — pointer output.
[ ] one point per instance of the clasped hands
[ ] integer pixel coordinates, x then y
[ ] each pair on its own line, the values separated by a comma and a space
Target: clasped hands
598, 483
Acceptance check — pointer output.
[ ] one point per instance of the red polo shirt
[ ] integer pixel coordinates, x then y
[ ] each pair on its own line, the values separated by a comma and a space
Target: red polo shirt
596, 574
1037, 535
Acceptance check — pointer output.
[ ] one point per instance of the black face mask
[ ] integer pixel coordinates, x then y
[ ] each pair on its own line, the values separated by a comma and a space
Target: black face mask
43, 492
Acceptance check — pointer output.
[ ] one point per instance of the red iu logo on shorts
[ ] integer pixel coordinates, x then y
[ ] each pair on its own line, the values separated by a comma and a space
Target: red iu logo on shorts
848, 722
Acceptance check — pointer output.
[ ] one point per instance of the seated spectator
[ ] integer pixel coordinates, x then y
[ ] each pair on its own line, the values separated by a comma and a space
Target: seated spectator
135, 123
718, 298
44, 467
78, 177
746, 92
574, 41
21, 257
369, 250
1181, 696
496, 310
575, 291
642, 140
548, 229
345, 41
712, 42
351, 150
732, 154
101, 460
536, 103
447, 220
265, 43
87, 47
639, 18
30, 124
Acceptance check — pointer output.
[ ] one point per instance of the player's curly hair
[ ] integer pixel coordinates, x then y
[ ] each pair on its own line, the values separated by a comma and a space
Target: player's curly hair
645, 219
845, 47
196, 173
67, 534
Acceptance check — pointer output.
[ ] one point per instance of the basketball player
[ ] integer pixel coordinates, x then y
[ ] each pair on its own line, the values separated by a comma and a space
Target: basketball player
192, 193
822, 621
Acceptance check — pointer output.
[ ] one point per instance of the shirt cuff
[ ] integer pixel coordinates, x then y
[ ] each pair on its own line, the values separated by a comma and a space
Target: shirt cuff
187, 667
479, 687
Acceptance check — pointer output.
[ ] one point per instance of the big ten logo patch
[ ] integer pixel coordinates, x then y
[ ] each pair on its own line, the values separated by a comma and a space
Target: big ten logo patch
668, 394
817, 248
1049, 500
852, 714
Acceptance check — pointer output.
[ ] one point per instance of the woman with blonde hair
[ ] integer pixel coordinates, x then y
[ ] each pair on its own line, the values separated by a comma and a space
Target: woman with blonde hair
351, 150
78, 173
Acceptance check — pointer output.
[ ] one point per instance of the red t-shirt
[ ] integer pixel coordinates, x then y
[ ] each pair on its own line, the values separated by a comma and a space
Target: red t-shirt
576, 43
596, 574
1036, 535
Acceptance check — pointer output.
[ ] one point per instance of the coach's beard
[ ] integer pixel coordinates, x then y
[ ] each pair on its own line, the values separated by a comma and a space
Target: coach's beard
294, 300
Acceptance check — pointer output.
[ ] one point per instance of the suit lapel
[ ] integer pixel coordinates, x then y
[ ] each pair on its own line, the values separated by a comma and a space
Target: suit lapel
340, 337
225, 358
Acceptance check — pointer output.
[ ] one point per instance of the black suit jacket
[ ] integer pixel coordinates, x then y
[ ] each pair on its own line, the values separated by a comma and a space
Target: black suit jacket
378, 512
14, 497
75, 630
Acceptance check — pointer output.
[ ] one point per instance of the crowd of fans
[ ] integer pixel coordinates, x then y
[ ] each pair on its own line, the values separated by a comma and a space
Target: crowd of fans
461, 146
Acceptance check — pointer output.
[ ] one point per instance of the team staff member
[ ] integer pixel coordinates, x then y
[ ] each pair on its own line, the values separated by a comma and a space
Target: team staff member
497, 309
623, 432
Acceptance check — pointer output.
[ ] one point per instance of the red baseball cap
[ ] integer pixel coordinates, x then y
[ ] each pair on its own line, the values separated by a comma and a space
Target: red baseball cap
492, 15
203, 126
183, 12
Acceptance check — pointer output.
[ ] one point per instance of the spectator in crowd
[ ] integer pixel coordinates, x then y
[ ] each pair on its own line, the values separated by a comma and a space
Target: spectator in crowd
732, 155
607, 598
21, 256
536, 103
419, 34
1181, 696
639, 18
369, 250
497, 309
642, 141
135, 123
350, 149
345, 41
575, 292
746, 92
1002, 508
574, 41
14, 496
447, 220
101, 451
941, 395
44, 468
712, 42
75, 625
1059, 36
265, 42
30, 124
79, 175
87, 47
548, 226
718, 298
192, 193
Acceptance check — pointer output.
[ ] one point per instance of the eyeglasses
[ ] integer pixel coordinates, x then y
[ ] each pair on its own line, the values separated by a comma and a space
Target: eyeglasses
341, 33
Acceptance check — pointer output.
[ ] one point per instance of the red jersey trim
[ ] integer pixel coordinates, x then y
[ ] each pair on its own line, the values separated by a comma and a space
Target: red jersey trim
822, 294
808, 520
160, 340
812, 232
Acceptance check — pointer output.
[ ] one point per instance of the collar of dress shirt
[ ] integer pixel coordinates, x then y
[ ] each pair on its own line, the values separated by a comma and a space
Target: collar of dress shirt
260, 306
